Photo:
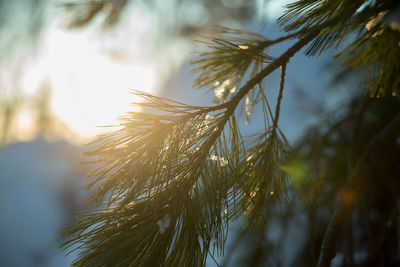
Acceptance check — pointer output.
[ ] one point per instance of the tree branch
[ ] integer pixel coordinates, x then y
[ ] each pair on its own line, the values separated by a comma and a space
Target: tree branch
267, 43
280, 61
232, 104
278, 104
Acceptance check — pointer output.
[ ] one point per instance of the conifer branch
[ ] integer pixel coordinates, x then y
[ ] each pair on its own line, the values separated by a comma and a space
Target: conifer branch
156, 161
250, 84
172, 179
268, 43
280, 61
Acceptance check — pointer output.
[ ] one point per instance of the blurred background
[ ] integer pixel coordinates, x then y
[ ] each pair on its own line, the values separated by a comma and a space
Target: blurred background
67, 69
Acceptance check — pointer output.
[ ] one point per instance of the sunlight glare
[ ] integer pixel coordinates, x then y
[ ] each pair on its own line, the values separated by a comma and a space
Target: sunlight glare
90, 84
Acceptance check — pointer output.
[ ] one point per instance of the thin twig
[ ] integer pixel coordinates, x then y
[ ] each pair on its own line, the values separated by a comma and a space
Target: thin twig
284, 58
279, 100
267, 43
280, 61
212, 257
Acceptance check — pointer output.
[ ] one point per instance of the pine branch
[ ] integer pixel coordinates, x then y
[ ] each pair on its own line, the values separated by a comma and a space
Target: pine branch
232, 57
283, 59
164, 186
171, 181
268, 43
374, 50
85, 11
250, 84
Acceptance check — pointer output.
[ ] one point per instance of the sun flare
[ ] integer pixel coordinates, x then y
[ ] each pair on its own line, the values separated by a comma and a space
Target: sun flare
90, 84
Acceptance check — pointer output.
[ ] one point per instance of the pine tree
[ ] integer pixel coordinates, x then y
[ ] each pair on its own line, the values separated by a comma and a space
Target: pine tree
171, 179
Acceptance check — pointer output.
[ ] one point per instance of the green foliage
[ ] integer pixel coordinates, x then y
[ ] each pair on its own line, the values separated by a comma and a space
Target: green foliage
82, 13
375, 51
231, 53
356, 159
170, 179
377, 56
160, 182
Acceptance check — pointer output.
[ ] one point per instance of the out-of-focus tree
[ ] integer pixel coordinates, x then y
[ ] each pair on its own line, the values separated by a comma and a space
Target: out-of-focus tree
174, 23
351, 156
22, 23
185, 16
172, 177
8, 109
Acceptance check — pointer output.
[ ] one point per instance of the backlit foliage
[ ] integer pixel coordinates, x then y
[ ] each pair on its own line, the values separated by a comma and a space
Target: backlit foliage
169, 180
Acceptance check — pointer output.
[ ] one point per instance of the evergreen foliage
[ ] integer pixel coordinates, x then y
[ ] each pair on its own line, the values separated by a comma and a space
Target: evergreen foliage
171, 178
375, 50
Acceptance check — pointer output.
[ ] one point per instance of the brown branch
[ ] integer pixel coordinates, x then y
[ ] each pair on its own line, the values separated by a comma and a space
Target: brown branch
332, 234
267, 43
232, 104
278, 102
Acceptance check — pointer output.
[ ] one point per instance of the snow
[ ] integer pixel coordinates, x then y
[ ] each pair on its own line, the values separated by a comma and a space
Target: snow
37, 182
